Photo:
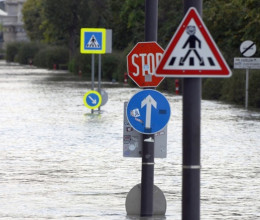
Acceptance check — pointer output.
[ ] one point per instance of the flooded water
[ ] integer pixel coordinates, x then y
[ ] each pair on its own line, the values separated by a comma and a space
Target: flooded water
58, 161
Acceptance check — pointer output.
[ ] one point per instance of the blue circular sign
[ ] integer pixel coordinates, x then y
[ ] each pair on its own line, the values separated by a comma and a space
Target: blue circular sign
148, 111
92, 99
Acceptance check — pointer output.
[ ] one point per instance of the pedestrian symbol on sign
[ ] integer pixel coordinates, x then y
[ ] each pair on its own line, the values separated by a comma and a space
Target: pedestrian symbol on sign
191, 41
192, 52
93, 43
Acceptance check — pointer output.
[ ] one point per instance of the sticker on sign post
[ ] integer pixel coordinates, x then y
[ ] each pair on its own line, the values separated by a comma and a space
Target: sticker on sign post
133, 140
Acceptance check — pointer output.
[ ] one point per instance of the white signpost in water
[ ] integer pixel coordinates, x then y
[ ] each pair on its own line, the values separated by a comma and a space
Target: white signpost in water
247, 49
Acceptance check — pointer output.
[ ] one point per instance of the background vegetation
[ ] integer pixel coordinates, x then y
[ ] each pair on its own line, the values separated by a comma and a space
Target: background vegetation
54, 29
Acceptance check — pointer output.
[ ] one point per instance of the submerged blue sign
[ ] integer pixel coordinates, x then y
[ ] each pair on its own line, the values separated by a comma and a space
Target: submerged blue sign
148, 111
92, 99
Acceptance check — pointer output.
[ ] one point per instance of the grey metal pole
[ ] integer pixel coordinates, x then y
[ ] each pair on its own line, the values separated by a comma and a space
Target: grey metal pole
92, 74
191, 139
99, 75
151, 20
247, 82
147, 180
92, 71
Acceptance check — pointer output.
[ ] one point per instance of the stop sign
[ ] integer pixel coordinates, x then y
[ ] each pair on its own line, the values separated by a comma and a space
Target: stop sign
142, 62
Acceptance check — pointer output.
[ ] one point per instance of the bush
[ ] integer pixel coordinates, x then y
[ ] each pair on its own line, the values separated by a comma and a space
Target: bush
12, 50
212, 88
81, 62
110, 65
39, 54
113, 65
234, 88
254, 88
51, 55
121, 67
27, 52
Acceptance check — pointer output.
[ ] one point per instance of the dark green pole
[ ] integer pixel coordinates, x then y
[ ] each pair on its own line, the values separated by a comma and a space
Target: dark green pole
191, 139
147, 180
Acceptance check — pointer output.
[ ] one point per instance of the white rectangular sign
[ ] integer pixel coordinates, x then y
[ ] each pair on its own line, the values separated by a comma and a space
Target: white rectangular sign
133, 140
246, 63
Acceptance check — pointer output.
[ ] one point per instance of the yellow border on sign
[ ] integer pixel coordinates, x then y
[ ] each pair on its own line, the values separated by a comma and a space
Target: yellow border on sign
82, 40
91, 92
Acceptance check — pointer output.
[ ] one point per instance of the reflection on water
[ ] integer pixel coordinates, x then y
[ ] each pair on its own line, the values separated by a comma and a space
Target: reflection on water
58, 161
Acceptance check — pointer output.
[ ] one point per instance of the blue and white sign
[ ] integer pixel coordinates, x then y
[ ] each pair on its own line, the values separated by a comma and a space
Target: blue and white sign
95, 41
92, 99
148, 111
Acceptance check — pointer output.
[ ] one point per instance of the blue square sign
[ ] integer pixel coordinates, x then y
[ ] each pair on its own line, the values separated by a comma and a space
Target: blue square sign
93, 40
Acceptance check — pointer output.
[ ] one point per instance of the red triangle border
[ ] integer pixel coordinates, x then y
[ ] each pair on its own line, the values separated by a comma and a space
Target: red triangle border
223, 72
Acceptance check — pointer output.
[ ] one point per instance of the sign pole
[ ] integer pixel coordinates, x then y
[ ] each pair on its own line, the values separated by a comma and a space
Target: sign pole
92, 74
95, 41
247, 83
99, 75
147, 180
191, 139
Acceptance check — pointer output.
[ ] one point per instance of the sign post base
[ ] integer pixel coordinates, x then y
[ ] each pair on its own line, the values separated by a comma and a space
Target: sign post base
133, 201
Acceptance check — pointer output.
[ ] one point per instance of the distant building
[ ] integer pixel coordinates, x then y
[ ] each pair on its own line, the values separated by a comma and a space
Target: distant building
12, 23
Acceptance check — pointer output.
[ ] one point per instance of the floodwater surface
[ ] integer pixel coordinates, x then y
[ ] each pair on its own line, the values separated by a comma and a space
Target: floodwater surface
58, 161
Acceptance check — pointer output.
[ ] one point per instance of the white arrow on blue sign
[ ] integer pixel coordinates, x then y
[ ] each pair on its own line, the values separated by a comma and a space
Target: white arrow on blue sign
148, 111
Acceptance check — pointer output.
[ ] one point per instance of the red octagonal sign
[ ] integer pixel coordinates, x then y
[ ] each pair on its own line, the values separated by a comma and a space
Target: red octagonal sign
142, 62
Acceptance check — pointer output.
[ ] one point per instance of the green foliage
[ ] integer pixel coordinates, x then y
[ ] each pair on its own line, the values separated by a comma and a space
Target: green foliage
33, 19
109, 65
254, 88
81, 62
12, 50
229, 22
51, 55
127, 22
252, 18
113, 66
170, 15
37, 53
233, 89
27, 52
168, 84
212, 88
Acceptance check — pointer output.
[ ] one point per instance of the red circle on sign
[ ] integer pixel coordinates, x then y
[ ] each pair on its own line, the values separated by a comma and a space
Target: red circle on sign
142, 62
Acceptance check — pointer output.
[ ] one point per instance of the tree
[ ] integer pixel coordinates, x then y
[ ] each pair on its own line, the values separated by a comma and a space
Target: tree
62, 21
127, 21
169, 17
33, 19
252, 21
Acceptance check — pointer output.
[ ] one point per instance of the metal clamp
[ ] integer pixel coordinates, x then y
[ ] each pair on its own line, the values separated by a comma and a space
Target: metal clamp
191, 166
148, 163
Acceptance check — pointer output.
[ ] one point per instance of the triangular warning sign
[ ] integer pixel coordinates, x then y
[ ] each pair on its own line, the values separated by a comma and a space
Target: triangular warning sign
93, 43
192, 52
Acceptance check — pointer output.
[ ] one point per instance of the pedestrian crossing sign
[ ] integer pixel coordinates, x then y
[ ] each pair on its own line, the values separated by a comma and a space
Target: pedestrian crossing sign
192, 52
93, 40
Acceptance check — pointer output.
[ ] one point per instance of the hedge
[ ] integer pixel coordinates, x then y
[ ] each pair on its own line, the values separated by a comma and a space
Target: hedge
114, 66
